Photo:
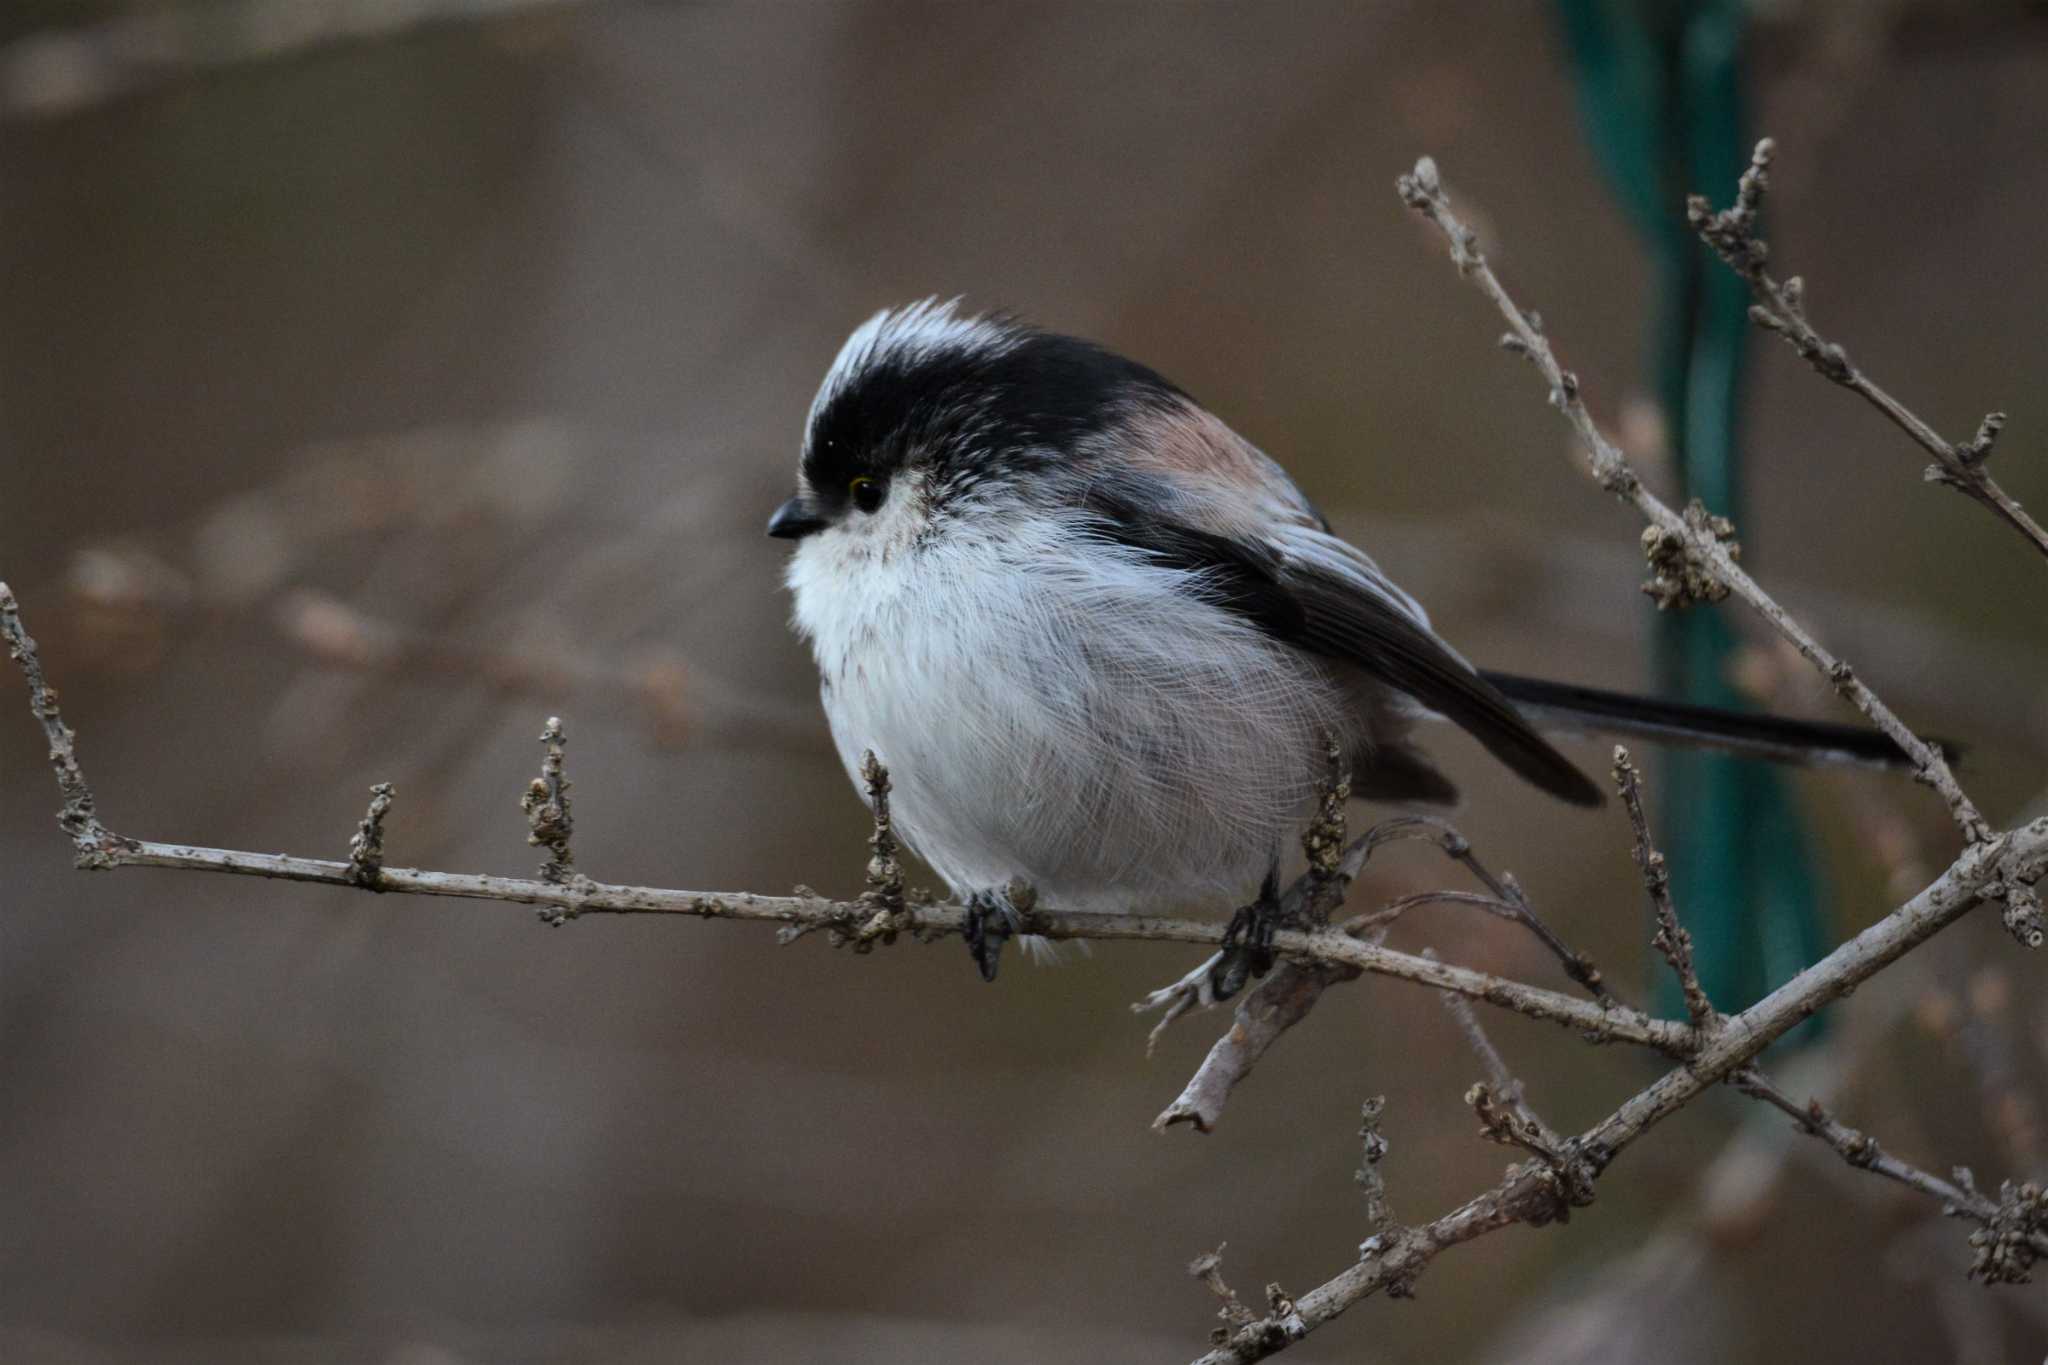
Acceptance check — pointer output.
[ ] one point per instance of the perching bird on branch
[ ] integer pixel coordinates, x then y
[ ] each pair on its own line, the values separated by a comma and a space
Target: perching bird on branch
1102, 642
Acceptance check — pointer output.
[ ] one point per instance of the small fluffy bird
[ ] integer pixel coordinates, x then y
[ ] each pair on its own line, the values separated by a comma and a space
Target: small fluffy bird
1102, 642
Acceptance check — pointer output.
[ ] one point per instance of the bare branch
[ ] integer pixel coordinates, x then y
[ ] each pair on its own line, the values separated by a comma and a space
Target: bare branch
79, 816
1422, 190
1276, 1005
885, 894
1694, 557
1394, 909
1532, 1192
1497, 1074
1781, 308
2014, 1232
546, 803
1505, 1118
1392, 1262
1208, 1268
1501, 1084
366, 847
577, 894
1506, 899
1505, 1115
584, 896
1858, 1149
1379, 1212
885, 876
1671, 939
1292, 989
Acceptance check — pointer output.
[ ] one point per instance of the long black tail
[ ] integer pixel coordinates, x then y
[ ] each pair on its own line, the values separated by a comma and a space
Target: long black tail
1567, 706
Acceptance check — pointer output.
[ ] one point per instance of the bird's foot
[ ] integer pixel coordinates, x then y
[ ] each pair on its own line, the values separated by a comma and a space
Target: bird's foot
1247, 943
991, 921
1247, 952
1196, 990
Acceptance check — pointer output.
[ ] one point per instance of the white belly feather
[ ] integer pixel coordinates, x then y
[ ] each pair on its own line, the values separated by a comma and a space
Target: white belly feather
1077, 720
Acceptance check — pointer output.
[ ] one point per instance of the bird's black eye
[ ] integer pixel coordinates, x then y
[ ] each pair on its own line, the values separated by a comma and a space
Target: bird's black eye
867, 493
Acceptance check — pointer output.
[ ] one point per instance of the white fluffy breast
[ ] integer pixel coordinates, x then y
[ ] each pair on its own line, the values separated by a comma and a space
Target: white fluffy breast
1061, 709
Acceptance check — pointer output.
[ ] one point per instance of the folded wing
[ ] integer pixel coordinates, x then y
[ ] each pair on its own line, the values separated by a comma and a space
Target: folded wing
1307, 587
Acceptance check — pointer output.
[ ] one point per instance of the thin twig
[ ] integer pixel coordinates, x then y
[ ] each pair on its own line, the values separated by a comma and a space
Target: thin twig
366, 847
1393, 910
2019, 1217
1520, 1123
884, 894
1858, 1149
1208, 1268
577, 894
1507, 896
1671, 939
1379, 1211
79, 816
584, 896
1506, 1119
1422, 190
1559, 1175
1531, 1191
546, 804
1781, 308
549, 821
1292, 989
1505, 1114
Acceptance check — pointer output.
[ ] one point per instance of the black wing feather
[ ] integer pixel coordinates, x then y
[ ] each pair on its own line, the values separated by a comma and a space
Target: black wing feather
1345, 622
1328, 614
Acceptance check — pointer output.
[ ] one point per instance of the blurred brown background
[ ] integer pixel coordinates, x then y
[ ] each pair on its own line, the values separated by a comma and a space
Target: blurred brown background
371, 391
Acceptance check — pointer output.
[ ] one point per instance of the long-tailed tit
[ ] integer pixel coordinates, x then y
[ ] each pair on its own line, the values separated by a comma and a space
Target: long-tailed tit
1102, 642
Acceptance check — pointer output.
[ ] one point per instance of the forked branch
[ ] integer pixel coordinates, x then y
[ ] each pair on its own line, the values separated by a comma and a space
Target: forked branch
1781, 308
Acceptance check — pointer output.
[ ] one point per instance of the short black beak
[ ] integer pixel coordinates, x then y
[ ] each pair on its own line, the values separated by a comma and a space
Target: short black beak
794, 520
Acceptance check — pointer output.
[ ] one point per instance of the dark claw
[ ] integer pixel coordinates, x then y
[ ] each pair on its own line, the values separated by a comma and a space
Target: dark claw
1248, 942
989, 924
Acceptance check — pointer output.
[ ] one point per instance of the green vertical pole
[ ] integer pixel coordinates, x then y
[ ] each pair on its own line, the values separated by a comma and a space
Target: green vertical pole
1660, 89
